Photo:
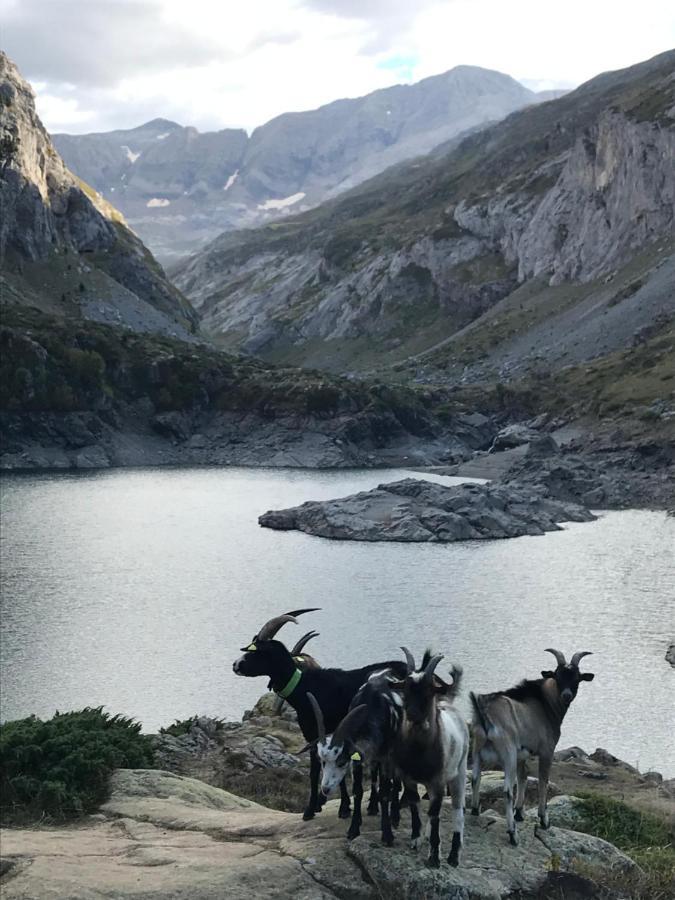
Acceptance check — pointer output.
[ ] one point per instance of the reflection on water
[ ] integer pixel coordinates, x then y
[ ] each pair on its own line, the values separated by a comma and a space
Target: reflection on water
135, 589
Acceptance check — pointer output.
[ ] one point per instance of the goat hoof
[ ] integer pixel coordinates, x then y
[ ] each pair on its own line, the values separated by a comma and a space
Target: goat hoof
344, 812
518, 815
513, 839
307, 815
433, 862
353, 833
475, 811
453, 858
388, 840
544, 823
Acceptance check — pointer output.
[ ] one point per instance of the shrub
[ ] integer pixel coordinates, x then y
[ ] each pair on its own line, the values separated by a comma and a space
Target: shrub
60, 768
184, 726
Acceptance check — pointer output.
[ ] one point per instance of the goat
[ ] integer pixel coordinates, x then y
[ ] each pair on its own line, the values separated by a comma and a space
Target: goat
332, 688
511, 726
367, 731
431, 748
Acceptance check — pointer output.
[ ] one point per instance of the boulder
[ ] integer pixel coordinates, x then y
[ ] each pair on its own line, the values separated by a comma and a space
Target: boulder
415, 510
513, 436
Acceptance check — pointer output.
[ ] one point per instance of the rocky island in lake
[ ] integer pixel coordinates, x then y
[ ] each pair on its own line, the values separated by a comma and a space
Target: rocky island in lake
415, 510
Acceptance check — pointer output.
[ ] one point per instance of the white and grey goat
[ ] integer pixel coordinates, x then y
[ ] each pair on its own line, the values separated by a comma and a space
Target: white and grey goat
510, 727
431, 748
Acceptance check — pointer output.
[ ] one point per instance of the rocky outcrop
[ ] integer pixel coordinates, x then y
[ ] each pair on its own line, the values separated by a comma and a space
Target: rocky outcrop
161, 835
178, 187
412, 510
64, 248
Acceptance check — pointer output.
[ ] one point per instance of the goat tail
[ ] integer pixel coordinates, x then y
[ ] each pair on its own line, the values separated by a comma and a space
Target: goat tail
480, 717
457, 673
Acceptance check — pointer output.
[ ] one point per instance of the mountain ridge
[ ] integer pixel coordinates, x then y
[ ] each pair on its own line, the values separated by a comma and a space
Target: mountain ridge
566, 192
179, 187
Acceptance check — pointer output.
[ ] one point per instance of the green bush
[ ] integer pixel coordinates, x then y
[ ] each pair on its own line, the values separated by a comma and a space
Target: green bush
61, 768
184, 726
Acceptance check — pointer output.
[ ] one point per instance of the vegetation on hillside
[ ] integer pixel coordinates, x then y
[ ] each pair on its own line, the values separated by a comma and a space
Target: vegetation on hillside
60, 768
50, 364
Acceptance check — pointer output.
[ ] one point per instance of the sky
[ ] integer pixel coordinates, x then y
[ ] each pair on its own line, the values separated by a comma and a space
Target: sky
97, 65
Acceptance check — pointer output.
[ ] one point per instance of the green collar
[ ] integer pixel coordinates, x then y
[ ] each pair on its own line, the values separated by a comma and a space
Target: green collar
293, 682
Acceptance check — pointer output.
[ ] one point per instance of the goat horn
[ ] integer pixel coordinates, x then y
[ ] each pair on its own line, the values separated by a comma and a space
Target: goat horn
351, 721
318, 715
297, 648
577, 656
270, 628
410, 660
560, 657
431, 665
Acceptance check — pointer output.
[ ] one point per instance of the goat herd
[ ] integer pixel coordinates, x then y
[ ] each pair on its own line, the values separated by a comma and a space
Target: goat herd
400, 718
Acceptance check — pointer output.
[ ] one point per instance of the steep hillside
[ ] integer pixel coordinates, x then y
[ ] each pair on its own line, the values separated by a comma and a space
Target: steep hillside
179, 188
566, 207
63, 248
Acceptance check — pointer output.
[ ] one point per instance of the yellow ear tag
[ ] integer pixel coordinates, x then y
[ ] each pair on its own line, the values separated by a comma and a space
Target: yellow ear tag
251, 647
356, 756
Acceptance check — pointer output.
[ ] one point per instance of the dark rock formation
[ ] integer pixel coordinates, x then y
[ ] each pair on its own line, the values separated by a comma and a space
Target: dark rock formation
412, 510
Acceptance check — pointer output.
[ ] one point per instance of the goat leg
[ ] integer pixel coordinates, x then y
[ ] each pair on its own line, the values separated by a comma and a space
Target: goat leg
345, 807
435, 804
475, 784
374, 801
510, 778
385, 796
544, 772
314, 804
412, 798
457, 787
357, 776
396, 803
520, 793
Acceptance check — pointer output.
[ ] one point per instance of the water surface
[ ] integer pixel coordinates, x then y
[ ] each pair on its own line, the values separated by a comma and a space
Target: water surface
135, 589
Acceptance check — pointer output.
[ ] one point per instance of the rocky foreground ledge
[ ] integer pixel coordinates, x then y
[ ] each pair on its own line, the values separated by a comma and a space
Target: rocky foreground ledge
415, 510
166, 836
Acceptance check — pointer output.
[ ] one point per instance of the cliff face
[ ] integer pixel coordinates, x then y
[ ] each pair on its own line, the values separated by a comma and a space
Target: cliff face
63, 247
568, 192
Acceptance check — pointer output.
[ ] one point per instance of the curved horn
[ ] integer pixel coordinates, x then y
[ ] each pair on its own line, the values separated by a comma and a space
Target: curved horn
410, 660
297, 647
560, 657
350, 724
269, 629
431, 665
318, 715
577, 656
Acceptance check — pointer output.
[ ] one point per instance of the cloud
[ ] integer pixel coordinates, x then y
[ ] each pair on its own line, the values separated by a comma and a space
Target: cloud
99, 42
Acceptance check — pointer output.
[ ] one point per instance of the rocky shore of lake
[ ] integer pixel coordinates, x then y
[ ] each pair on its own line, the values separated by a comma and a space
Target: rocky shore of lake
183, 830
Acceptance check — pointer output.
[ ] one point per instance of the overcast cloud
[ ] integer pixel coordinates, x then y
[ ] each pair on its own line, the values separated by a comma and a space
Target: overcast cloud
102, 64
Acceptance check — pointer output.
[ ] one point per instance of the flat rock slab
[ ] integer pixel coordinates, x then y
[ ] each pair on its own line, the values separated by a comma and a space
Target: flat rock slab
164, 837
416, 510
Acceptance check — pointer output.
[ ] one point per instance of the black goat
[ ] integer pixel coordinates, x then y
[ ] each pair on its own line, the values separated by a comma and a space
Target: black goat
367, 731
332, 688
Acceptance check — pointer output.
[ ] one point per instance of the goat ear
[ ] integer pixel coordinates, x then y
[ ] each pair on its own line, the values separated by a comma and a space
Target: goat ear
547, 673
396, 685
586, 676
307, 747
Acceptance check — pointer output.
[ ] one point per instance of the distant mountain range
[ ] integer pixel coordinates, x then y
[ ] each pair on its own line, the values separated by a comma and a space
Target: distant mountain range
179, 188
537, 242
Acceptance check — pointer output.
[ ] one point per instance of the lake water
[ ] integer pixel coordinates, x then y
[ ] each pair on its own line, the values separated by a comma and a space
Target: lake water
135, 589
